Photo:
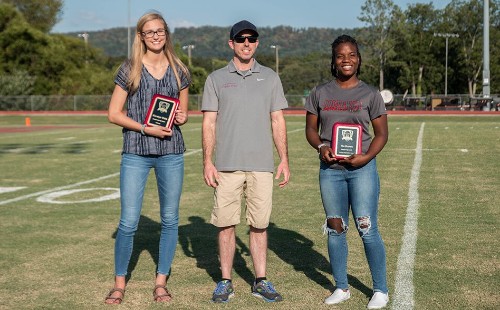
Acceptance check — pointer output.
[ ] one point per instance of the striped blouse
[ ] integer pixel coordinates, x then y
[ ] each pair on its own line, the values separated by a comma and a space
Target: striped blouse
137, 107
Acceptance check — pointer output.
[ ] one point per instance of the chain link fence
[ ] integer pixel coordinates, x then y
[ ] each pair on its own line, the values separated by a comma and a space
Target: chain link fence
54, 103
450, 102
91, 103
100, 103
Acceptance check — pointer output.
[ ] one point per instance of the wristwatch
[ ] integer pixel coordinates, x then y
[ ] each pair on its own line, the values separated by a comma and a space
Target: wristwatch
142, 129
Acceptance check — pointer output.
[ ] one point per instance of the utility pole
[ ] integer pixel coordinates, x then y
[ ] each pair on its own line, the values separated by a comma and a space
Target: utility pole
128, 31
189, 48
446, 36
277, 47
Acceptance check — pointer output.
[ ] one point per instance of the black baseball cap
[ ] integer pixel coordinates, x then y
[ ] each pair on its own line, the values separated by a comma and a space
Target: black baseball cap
240, 26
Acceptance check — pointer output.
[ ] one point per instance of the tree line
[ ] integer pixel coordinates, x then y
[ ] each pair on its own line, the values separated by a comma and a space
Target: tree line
402, 50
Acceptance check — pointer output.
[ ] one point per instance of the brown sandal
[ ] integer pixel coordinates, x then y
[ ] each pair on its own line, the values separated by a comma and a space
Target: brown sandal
157, 296
116, 300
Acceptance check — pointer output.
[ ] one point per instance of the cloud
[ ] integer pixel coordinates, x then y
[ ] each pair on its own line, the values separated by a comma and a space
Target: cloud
93, 19
181, 23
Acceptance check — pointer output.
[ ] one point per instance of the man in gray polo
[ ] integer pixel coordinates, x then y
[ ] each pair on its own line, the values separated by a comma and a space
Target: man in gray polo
242, 115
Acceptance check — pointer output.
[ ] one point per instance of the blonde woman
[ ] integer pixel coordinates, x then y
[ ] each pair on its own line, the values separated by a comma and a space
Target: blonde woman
153, 69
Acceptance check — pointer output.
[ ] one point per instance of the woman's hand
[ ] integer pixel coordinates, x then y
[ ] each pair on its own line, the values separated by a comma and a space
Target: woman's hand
357, 160
326, 154
180, 117
157, 131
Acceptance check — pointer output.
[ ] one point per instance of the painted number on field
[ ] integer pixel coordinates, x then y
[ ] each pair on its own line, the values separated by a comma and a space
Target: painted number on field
57, 197
11, 189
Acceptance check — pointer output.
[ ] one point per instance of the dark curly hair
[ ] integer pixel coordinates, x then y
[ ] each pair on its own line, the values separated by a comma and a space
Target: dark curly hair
340, 40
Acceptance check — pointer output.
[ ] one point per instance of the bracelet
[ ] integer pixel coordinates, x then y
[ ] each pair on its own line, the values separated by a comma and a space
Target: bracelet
142, 129
320, 146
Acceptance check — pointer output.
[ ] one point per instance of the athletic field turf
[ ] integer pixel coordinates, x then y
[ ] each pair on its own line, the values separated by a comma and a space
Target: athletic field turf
439, 217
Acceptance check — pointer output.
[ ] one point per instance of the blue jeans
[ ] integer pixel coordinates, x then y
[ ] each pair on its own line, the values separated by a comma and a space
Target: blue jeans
134, 171
359, 189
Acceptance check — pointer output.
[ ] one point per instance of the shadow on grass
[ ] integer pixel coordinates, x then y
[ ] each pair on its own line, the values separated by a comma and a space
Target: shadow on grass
297, 250
38, 149
28, 149
147, 238
198, 240
75, 148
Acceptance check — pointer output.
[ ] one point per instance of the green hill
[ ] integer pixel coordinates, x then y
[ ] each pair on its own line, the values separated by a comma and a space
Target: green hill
211, 41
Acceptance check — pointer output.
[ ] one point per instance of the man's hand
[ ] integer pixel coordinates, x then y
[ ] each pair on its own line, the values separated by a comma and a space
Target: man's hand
211, 175
283, 168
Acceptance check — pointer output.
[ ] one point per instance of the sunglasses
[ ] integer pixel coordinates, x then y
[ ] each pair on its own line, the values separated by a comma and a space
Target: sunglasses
241, 39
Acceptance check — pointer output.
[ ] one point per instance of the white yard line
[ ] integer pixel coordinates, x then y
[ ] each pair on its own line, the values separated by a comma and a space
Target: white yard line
404, 290
191, 152
57, 189
10, 189
296, 130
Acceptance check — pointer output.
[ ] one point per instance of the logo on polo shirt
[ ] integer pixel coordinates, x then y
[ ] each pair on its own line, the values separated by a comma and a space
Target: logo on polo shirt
229, 85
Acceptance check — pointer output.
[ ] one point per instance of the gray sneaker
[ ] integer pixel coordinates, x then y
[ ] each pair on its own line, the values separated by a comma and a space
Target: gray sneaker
265, 290
223, 292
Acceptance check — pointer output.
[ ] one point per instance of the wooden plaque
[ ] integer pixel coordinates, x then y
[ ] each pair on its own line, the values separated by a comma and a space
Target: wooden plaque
161, 111
346, 139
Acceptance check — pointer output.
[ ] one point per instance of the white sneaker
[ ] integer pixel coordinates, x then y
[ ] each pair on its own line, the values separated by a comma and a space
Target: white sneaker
379, 300
338, 296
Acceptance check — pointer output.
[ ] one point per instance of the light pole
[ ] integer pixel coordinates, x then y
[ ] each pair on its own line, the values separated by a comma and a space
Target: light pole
486, 52
189, 48
446, 36
85, 37
276, 48
128, 31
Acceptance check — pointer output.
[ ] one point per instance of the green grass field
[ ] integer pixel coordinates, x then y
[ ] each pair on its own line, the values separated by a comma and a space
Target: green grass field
57, 223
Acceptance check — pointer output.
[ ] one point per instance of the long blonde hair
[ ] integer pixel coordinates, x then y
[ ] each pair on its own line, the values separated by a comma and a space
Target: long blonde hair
139, 50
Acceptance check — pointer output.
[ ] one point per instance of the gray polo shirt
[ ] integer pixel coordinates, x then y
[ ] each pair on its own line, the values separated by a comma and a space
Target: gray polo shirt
243, 102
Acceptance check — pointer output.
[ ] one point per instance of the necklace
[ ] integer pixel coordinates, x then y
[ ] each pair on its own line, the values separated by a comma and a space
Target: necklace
156, 71
156, 66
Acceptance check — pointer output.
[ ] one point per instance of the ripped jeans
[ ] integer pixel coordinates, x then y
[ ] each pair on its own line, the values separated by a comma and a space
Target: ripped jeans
357, 188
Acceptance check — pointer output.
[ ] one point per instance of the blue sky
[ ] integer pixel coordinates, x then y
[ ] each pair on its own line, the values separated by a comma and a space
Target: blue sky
92, 15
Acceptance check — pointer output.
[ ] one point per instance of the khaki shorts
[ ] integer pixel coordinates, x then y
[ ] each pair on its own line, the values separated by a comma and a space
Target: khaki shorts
255, 187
